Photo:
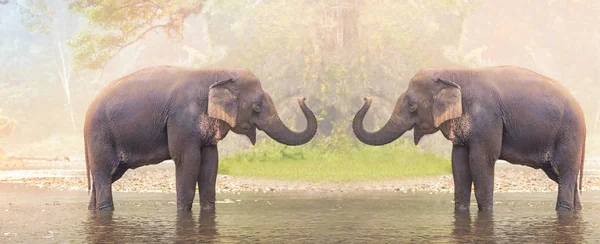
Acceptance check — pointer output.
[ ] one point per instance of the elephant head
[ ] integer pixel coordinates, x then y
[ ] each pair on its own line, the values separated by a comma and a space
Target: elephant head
237, 99
431, 99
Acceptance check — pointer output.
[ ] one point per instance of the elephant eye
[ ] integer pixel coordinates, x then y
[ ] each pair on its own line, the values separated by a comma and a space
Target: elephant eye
257, 106
411, 106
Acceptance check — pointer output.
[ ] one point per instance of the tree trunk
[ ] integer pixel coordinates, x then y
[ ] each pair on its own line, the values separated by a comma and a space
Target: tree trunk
65, 75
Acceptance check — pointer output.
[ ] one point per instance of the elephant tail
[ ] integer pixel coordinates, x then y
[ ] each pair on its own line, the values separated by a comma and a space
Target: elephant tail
87, 165
581, 165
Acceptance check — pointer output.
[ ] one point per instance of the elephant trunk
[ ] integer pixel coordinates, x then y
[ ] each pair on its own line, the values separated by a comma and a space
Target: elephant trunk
274, 127
391, 131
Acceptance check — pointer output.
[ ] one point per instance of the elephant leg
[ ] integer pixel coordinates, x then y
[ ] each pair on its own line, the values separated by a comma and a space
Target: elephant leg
102, 179
461, 172
567, 191
567, 159
483, 181
482, 159
105, 198
186, 175
208, 177
568, 195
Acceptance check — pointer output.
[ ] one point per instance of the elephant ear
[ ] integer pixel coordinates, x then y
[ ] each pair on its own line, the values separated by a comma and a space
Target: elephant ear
222, 103
447, 102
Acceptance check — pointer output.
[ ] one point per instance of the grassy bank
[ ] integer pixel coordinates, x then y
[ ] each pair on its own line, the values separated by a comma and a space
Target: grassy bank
335, 159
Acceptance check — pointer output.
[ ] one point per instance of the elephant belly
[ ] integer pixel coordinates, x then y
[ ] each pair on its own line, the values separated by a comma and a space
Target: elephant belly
521, 159
134, 160
142, 150
532, 153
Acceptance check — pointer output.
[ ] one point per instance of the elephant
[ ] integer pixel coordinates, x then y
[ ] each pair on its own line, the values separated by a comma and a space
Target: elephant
493, 113
165, 112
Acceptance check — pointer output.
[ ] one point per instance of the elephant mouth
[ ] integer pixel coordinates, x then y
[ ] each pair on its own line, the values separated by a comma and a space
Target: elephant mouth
419, 132
243, 128
251, 134
246, 129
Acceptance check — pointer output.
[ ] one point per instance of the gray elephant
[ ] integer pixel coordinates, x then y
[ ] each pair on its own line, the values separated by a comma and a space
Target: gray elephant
505, 112
162, 113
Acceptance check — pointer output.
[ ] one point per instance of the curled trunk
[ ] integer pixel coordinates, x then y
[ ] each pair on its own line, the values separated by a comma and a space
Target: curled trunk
276, 129
391, 131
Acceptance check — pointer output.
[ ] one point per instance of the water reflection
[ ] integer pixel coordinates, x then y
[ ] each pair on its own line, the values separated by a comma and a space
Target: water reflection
100, 227
182, 227
566, 227
205, 227
481, 230
385, 218
185, 225
462, 226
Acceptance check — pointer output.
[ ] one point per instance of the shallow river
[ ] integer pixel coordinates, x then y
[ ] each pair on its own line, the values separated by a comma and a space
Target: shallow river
45, 216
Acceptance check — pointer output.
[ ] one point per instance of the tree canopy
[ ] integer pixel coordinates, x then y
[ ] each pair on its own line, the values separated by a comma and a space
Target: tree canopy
114, 25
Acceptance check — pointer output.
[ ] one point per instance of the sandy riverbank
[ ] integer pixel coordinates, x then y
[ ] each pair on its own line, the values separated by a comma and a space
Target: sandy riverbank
65, 176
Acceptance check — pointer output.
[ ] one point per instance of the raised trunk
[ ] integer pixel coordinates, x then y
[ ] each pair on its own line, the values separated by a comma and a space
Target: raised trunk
274, 127
391, 131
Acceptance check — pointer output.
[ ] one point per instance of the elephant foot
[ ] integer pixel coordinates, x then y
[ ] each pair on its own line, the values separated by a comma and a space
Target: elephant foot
486, 208
186, 207
106, 207
565, 207
461, 207
205, 207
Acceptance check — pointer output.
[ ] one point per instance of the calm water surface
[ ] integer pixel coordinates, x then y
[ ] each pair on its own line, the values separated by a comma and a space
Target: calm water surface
45, 216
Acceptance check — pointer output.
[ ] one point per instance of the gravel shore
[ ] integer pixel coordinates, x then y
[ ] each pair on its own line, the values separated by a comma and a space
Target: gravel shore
64, 176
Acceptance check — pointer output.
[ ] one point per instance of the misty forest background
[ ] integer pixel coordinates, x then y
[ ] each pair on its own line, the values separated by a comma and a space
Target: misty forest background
57, 55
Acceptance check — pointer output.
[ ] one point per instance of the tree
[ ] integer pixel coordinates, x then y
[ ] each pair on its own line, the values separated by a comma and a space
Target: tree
37, 67
115, 25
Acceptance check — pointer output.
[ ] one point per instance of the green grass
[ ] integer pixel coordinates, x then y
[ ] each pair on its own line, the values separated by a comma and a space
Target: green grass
336, 159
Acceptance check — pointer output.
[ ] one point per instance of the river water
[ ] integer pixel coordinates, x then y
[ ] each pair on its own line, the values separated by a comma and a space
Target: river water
32, 215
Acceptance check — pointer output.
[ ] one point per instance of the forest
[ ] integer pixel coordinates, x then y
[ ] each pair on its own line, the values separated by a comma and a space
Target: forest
57, 55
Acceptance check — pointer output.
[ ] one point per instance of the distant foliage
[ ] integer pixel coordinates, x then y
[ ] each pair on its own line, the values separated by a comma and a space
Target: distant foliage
114, 25
336, 52
37, 84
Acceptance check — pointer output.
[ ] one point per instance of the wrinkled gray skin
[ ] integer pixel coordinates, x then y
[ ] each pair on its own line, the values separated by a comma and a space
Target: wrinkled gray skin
162, 113
507, 113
